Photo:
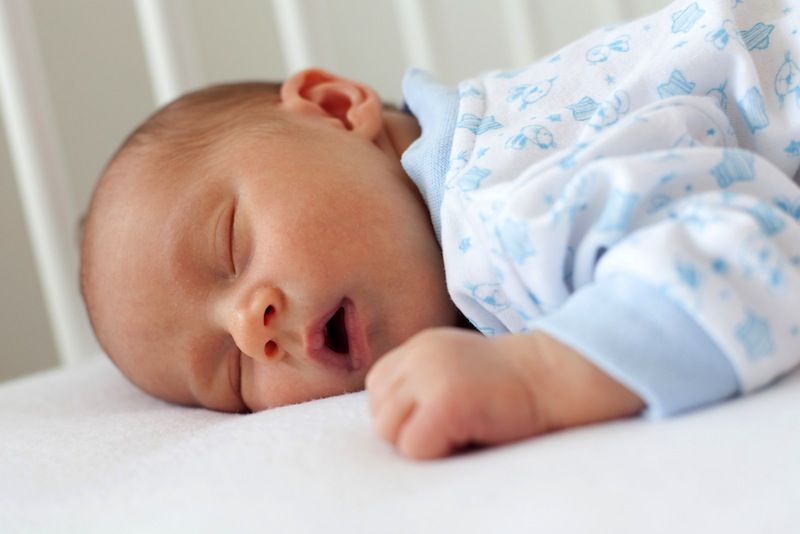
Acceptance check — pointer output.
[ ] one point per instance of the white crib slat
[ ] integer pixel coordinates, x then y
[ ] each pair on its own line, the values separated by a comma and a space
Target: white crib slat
416, 33
42, 181
523, 35
170, 47
617, 11
297, 47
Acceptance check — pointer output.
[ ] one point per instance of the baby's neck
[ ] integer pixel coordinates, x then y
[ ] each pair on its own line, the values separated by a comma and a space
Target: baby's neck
401, 130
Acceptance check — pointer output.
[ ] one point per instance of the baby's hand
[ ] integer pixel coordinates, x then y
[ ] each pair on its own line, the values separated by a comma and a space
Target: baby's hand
446, 388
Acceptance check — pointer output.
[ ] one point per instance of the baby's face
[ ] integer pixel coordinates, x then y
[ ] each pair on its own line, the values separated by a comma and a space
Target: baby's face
274, 273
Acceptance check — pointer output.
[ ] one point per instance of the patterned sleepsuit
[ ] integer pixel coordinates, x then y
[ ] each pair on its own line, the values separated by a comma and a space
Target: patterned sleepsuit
632, 195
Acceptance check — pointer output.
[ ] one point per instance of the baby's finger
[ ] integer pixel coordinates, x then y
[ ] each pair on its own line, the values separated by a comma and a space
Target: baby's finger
381, 370
426, 434
383, 393
393, 415
384, 385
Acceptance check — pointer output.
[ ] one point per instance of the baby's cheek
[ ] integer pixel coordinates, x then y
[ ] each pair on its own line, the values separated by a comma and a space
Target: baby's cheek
271, 391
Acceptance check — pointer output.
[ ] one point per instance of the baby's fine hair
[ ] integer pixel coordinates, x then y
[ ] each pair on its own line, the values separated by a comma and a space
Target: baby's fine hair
183, 132
191, 123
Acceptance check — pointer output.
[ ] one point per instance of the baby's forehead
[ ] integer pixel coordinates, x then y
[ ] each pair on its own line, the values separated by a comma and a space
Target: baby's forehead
133, 318
130, 217
142, 192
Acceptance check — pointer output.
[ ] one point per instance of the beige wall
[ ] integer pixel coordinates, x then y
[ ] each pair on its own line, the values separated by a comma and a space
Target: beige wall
99, 85
24, 328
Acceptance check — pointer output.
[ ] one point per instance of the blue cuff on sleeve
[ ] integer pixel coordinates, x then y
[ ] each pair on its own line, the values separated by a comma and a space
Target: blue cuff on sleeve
645, 341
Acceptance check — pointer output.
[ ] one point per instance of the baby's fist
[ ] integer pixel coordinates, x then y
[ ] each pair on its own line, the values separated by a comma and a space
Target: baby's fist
446, 388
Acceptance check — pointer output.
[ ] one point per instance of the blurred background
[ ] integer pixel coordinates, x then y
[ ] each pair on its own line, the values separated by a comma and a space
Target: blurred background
100, 88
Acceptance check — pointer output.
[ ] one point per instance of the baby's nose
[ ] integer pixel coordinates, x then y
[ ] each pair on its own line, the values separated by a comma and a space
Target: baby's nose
270, 347
255, 326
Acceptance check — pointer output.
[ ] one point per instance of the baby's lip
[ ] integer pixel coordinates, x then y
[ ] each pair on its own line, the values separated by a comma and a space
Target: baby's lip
357, 336
358, 351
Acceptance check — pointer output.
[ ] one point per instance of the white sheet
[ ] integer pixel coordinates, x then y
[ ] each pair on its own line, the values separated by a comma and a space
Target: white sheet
83, 450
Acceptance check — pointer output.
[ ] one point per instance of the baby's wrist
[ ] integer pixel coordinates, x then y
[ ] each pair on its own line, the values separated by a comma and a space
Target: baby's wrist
567, 389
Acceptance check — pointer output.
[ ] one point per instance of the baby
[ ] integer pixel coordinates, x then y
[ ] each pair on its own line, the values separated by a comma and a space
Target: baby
609, 231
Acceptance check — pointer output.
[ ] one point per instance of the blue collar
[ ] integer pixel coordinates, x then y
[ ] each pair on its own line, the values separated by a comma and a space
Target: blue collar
427, 160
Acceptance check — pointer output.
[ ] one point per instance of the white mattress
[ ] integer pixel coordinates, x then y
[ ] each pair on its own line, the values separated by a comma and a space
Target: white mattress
81, 450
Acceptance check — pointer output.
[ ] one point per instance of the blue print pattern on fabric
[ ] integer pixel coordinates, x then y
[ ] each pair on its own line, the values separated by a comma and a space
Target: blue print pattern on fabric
752, 108
719, 266
470, 91
569, 160
722, 35
478, 125
787, 80
688, 274
677, 85
767, 219
657, 202
530, 94
508, 74
533, 298
609, 112
515, 240
601, 53
682, 21
471, 180
583, 109
666, 178
792, 208
719, 96
754, 334
532, 134
619, 211
757, 37
490, 295
736, 166
793, 148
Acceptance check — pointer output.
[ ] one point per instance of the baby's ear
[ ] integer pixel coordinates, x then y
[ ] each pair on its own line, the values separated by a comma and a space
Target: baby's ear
344, 103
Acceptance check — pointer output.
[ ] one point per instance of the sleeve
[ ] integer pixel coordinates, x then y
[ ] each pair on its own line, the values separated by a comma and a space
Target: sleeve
682, 259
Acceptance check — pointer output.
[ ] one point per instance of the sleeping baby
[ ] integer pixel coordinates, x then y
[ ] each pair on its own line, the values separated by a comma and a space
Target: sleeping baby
608, 232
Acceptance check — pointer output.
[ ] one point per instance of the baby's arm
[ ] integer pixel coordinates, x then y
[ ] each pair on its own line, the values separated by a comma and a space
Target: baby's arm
446, 388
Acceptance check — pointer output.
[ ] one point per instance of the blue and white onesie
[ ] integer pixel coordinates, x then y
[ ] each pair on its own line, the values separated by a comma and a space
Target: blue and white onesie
633, 196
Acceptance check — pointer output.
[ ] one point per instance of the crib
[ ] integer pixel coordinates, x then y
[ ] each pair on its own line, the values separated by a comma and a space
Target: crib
84, 450
174, 60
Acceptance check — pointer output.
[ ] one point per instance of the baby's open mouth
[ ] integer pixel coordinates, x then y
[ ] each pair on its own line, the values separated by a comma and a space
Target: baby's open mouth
336, 333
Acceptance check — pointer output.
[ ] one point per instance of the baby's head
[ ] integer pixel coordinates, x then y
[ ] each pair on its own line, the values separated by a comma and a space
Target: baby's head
264, 232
